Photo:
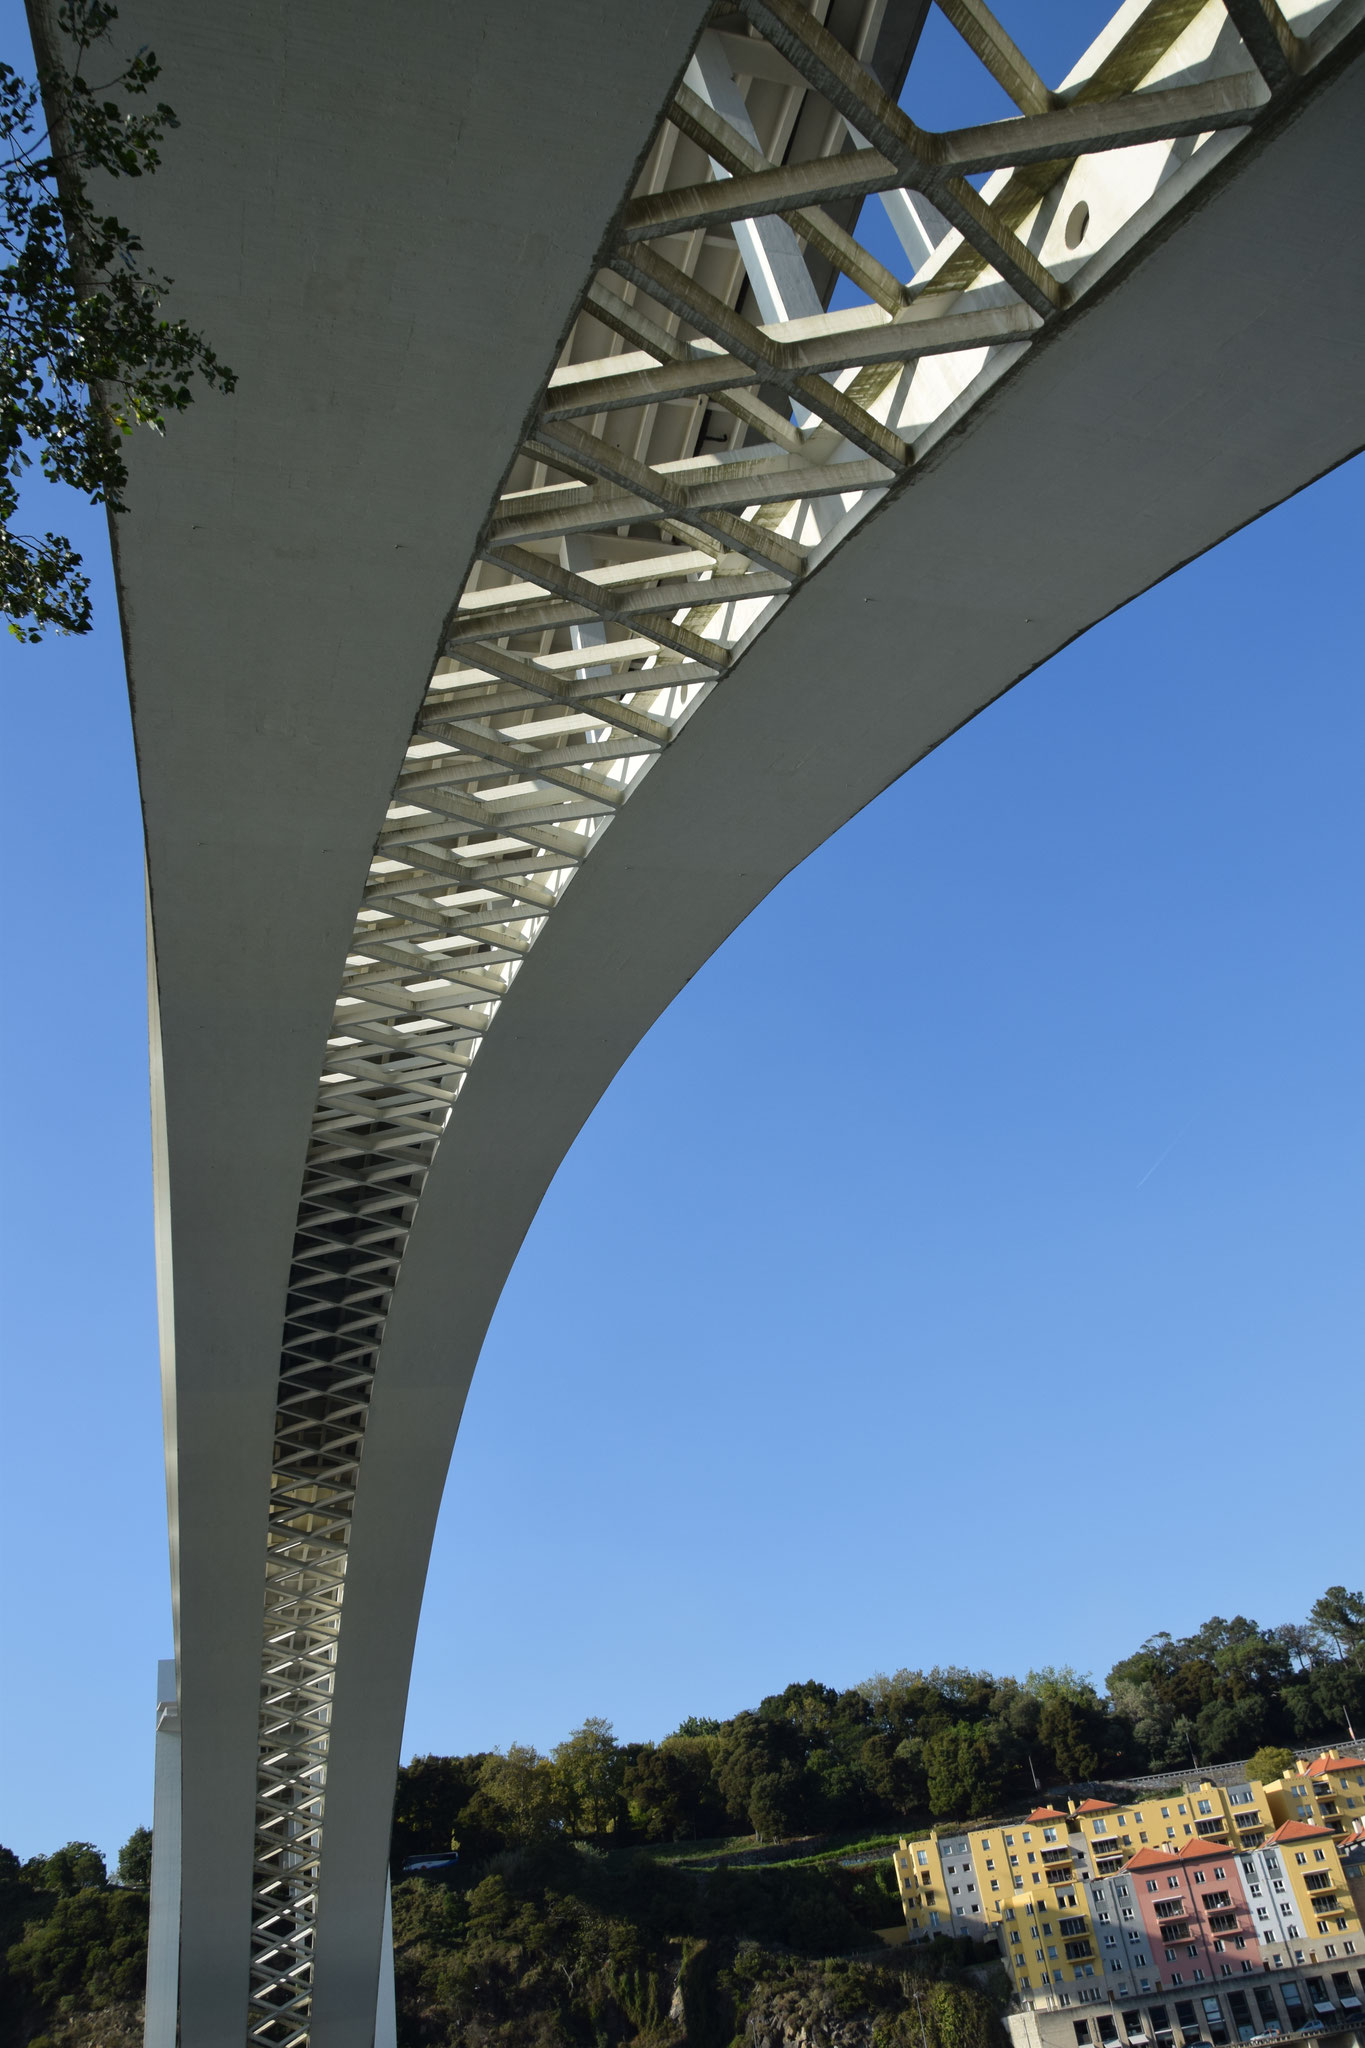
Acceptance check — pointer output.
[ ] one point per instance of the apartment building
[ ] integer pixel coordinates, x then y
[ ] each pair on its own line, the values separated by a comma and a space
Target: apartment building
1193, 1887
1195, 1913
1329, 1791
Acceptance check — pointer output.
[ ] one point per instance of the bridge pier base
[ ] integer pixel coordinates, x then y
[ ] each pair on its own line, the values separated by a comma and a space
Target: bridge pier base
160, 2024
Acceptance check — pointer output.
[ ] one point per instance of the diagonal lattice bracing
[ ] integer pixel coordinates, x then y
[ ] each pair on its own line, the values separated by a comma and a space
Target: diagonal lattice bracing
714, 428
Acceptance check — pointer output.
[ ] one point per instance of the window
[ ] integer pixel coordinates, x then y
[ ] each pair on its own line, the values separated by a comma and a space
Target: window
922, 1858
1009, 1841
1125, 1912
1101, 1827
990, 1863
1204, 1806
1151, 1884
1049, 1834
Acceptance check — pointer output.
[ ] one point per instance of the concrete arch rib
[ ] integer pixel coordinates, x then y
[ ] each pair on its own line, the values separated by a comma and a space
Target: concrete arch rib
1109, 459
352, 204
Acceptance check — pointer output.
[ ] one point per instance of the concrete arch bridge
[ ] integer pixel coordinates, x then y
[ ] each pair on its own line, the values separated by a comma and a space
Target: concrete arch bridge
599, 523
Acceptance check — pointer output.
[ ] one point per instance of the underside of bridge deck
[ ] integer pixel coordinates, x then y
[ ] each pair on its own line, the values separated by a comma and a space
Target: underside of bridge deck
378, 766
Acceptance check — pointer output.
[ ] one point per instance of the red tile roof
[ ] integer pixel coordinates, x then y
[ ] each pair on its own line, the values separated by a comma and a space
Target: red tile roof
1297, 1831
1045, 1813
1325, 1764
1147, 1858
1097, 1806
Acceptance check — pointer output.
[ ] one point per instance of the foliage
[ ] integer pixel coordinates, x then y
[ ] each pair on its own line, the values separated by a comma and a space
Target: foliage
135, 1858
907, 1748
554, 1947
85, 352
1270, 1763
76, 1867
90, 1950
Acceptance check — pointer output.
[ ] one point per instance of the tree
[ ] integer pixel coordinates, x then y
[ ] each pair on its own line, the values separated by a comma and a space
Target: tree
90, 1951
1229, 1728
135, 1858
86, 355
775, 1803
1299, 1641
670, 1790
75, 1867
522, 1789
437, 1806
1340, 1616
588, 1767
1270, 1763
963, 1769
755, 1746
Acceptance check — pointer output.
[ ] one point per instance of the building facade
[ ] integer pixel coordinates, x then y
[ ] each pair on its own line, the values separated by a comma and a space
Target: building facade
1194, 1896
1329, 1790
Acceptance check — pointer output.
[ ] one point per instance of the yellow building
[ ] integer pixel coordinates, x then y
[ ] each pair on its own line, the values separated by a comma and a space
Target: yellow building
1020, 1882
1329, 1789
1351, 1849
1313, 1868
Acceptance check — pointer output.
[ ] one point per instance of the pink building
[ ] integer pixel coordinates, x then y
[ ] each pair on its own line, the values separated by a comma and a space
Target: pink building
1194, 1912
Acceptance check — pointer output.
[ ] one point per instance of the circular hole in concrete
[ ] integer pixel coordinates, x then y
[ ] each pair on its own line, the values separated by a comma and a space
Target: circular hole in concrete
1078, 220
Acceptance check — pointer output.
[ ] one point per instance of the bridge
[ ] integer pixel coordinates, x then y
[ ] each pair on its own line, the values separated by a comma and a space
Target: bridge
600, 522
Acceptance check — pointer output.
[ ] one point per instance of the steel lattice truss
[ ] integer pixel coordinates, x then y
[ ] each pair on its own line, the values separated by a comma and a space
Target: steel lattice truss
711, 433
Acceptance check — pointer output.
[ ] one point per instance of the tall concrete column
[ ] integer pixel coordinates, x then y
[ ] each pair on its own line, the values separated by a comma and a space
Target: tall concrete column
386, 2012
163, 1934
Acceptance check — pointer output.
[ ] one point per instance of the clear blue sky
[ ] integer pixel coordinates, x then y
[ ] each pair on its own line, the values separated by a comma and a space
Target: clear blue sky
961, 1333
